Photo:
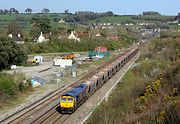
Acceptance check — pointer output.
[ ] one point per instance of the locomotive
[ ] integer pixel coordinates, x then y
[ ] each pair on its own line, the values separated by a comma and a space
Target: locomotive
73, 98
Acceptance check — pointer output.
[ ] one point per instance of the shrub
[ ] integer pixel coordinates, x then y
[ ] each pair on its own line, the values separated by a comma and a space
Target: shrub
8, 87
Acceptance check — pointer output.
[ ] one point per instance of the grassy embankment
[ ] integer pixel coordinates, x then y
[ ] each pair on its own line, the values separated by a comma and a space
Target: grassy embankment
149, 92
13, 88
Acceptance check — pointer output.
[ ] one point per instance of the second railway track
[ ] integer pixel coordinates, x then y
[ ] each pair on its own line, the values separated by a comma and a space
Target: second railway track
45, 107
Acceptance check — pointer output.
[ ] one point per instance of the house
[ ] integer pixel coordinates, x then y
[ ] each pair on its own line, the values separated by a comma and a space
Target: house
101, 49
61, 21
83, 34
17, 38
72, 36
98, 35
43, 38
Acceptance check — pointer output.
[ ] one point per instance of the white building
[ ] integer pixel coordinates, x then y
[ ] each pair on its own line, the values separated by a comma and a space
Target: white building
62, 62
62, 21
41, 38
17, 38
73, 37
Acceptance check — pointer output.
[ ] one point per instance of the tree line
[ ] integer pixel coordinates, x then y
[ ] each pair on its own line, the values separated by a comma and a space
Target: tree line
27, 10
84, 16
10, 11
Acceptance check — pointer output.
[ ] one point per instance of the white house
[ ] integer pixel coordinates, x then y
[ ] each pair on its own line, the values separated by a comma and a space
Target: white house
41, 38
73, 37
17, 38
62, 21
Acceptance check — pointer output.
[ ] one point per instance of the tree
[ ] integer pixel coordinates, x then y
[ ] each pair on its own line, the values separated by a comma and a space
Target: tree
1, 11
28, 10
40, 24
151, 13
10, 53
109, 13
66, 11
45, 10
6, 11
13, 10
14, 28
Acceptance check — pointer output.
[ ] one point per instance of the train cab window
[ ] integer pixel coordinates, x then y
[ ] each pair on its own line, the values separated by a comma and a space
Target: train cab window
103, 77
89, 89
63, 99
70, 99
97, 83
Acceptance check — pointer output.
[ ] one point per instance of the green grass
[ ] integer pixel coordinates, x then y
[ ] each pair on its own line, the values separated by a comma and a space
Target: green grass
12, 103
27, 17
118, 19
24, 19
131, 19
119, 103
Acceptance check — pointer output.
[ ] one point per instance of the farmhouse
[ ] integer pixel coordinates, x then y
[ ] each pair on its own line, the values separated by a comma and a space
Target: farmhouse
17, 38
72, 36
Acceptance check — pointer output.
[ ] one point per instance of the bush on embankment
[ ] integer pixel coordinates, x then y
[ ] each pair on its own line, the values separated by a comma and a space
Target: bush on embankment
11, 86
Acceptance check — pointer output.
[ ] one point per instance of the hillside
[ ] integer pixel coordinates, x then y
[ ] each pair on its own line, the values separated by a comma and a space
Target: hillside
149, 92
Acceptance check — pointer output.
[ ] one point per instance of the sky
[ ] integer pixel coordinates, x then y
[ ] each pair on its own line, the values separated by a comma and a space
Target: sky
122, 7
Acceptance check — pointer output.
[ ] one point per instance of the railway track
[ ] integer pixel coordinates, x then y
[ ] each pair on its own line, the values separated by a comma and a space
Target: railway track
54, 117
42, 110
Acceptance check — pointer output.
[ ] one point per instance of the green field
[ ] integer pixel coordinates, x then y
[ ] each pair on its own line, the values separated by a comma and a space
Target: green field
24, 19
114, 19
131, 19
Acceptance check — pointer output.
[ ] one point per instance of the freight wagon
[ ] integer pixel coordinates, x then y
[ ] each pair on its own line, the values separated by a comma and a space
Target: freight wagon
73, 98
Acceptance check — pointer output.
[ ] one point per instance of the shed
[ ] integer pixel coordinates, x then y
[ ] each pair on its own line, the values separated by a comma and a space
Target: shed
101, 49
62, 62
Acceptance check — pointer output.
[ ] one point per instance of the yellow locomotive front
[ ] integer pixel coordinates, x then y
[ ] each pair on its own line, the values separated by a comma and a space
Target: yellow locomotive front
67, 103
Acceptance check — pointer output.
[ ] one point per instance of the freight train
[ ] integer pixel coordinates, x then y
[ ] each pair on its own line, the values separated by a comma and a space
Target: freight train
73, 98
